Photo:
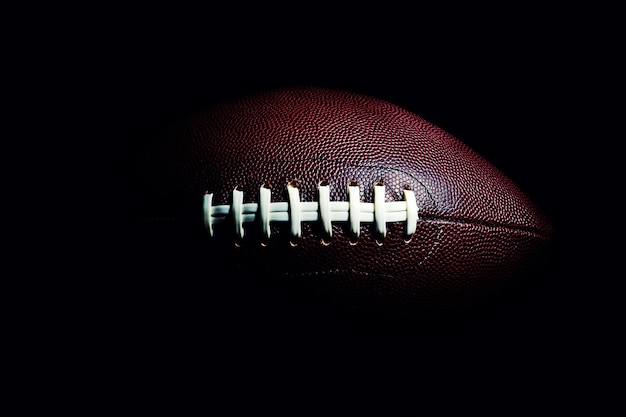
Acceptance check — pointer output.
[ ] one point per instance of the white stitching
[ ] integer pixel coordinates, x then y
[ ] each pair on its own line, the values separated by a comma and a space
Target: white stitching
294, 211
265, 197
237, 210
325, 219
208, 212
354, 207
325, 211
379, 215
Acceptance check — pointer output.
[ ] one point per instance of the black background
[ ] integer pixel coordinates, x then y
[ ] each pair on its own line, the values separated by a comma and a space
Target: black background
514, 84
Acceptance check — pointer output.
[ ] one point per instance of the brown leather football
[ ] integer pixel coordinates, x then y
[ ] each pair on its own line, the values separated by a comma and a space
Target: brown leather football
348, 196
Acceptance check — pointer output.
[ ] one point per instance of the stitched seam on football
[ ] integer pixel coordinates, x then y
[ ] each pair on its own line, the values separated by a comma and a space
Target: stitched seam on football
488, 224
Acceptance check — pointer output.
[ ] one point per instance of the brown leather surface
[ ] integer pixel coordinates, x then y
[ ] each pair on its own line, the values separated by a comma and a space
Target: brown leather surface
476, 229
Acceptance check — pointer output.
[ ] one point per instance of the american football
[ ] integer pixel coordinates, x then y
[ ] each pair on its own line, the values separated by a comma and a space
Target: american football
349, 197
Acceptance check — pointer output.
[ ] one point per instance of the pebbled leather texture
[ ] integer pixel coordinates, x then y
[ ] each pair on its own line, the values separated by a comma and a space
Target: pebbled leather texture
476, 229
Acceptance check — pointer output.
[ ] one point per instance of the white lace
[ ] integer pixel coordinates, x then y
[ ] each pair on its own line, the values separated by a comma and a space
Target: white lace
323, 211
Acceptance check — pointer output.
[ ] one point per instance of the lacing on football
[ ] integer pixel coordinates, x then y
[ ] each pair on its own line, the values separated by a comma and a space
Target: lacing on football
294, 211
